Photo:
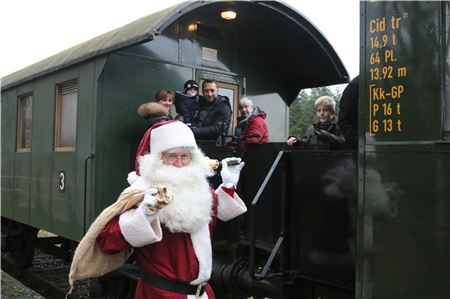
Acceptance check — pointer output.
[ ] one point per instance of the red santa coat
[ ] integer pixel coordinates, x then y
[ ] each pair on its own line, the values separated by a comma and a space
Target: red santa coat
176, 256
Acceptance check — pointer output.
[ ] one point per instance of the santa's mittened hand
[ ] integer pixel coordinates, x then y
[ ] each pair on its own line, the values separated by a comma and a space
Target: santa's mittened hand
148, 204
230, 173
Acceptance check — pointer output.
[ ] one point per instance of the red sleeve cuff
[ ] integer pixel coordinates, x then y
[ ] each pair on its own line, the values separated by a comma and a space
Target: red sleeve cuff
110, 238
229, 191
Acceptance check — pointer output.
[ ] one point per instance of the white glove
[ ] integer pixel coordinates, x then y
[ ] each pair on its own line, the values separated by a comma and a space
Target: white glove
140, 226
230, 174
148, 205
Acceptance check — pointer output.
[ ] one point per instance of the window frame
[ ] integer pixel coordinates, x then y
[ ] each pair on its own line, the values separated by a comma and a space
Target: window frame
72, 85
235, 88
20, 125
235, 101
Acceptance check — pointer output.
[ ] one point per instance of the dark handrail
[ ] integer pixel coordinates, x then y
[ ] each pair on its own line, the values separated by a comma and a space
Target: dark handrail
253, 221
272, 255
91, 156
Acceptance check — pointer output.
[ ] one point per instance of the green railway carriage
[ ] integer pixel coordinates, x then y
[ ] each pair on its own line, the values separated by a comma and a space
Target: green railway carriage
370, 222
82, 129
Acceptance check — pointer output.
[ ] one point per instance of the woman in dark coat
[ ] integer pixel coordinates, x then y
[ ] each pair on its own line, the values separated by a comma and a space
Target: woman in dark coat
158, 109
153, 113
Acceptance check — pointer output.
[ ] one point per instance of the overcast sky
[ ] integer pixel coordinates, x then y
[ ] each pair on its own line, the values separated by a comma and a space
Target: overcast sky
32, 30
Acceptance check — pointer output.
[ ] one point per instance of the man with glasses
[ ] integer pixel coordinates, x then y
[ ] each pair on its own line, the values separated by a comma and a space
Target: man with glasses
214, 115
172, 243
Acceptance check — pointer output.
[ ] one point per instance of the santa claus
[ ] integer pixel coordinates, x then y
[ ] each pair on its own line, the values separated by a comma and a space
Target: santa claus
172, 246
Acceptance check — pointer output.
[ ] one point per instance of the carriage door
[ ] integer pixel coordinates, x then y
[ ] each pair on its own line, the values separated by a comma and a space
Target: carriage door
229, 86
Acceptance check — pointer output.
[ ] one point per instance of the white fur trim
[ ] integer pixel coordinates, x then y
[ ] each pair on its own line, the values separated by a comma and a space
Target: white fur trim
137, 230
140, 183
229, 207
201, 241
132, 177
171, 135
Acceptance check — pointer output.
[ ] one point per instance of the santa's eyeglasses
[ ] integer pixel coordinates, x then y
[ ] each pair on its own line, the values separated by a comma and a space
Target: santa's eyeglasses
174, 157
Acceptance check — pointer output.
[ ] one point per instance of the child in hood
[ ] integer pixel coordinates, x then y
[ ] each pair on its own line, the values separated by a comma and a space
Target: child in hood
186, 103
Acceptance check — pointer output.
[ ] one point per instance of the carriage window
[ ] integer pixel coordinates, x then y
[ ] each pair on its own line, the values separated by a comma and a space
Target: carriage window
66, 115
24, 120
232, 92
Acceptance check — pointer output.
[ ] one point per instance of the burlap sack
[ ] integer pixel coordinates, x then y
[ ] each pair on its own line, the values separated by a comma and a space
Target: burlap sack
89, 260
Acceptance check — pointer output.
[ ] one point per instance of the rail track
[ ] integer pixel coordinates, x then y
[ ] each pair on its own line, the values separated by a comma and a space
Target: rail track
47, 274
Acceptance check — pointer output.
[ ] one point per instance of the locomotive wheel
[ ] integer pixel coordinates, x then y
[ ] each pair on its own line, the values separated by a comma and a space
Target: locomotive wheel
20, 243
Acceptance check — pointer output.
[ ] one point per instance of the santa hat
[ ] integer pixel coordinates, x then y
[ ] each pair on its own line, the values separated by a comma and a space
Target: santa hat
161, 137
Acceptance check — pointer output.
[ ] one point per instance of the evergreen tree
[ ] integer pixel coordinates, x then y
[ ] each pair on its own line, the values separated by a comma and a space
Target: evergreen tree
301, 112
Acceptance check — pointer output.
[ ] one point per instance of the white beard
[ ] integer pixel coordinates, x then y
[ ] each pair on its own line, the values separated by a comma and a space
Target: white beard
192, 197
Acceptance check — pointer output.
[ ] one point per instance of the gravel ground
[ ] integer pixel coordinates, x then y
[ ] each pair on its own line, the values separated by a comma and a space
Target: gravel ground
12, 288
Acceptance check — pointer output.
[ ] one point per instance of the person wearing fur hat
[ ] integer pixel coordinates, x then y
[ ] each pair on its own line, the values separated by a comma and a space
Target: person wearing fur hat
186, 102
172, 244
159, 109
153, 113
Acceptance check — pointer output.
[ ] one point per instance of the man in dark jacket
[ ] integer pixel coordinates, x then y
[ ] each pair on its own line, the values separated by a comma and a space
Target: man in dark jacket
214, 115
